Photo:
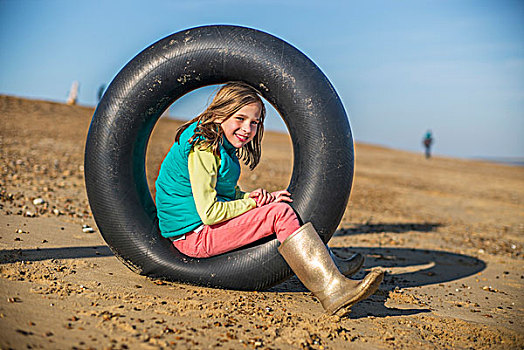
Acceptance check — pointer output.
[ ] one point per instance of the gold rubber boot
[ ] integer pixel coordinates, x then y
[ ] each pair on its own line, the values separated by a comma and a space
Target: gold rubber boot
308, 257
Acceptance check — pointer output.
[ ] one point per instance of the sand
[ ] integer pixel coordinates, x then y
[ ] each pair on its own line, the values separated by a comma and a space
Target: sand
448, 231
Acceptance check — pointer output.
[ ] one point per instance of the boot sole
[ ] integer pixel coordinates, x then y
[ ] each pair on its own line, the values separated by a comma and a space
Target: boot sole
370, 285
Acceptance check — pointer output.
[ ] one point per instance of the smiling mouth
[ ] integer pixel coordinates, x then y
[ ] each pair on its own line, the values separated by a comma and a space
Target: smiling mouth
242, 138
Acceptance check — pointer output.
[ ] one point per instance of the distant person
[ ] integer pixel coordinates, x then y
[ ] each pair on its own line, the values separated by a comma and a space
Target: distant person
100, 92
73, 94
427, 141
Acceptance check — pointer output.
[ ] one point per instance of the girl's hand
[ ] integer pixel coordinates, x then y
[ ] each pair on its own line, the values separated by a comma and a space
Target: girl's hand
262, 197
282, 196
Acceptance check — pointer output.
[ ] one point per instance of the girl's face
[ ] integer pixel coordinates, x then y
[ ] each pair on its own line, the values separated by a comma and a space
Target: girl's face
242, 126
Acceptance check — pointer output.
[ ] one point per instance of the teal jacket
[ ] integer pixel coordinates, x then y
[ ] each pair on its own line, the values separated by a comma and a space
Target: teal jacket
176, 208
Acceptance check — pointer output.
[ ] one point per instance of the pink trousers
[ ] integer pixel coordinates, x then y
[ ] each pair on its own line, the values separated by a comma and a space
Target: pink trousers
273, 218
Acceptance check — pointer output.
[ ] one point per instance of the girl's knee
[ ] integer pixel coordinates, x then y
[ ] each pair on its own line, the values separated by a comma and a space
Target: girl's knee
285, 220
279, 206
281, 209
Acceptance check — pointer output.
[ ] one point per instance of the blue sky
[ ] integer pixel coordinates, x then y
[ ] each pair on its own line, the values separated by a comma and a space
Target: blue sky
400, 67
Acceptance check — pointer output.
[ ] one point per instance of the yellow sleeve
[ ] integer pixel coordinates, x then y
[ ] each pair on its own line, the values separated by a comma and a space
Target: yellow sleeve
203, 169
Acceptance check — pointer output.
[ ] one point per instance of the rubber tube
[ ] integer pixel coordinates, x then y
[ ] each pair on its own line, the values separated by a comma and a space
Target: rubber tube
162, 73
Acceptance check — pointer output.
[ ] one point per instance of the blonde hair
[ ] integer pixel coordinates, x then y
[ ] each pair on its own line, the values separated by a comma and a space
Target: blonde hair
228, 100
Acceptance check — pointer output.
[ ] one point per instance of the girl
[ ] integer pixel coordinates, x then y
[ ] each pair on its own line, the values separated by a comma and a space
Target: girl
203, 211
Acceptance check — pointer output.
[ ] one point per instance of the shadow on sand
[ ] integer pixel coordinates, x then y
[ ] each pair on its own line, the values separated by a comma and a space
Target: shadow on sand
388, 227
406, 268
15, 255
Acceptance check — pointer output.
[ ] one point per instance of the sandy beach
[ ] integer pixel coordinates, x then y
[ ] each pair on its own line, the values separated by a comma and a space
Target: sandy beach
449, 232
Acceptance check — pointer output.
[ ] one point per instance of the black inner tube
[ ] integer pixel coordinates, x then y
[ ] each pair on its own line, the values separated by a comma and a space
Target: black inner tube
172, 67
